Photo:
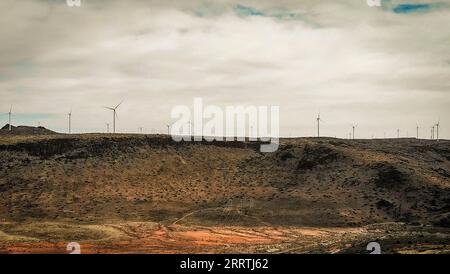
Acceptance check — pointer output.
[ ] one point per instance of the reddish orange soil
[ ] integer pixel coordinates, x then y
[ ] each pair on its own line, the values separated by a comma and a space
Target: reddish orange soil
144, 238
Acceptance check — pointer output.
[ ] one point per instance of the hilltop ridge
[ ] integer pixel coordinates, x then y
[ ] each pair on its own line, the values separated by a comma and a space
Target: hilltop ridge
25, 130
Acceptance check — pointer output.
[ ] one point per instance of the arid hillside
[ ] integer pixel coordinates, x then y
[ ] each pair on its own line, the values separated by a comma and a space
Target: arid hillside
24, 131
99, 178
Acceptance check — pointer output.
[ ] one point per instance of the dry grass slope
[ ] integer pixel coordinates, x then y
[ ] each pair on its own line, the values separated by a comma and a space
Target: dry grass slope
309, 182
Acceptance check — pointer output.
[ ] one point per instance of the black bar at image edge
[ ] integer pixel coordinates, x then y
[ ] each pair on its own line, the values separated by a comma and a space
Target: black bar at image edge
225, 263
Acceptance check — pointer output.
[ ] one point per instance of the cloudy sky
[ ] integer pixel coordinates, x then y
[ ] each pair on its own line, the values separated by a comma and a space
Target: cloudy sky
381, 67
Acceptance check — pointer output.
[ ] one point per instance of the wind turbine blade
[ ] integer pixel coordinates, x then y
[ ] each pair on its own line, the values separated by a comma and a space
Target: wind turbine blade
118, 104
109, 108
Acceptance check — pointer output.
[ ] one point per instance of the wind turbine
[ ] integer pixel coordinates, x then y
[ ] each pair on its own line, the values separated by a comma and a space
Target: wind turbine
437, 130
168, 129
114, 115
9, 118
107, 127
318, 125
417, 131
353, 130
432, 133
398, 133
70, 120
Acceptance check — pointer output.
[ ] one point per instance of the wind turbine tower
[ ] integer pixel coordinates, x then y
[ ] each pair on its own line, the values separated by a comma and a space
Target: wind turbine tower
9, 118
114, 115
437, 130
353, 130
70, 121
417, 131
318, 125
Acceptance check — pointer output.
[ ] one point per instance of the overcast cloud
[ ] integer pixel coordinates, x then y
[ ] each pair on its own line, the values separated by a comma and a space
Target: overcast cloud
383, 68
